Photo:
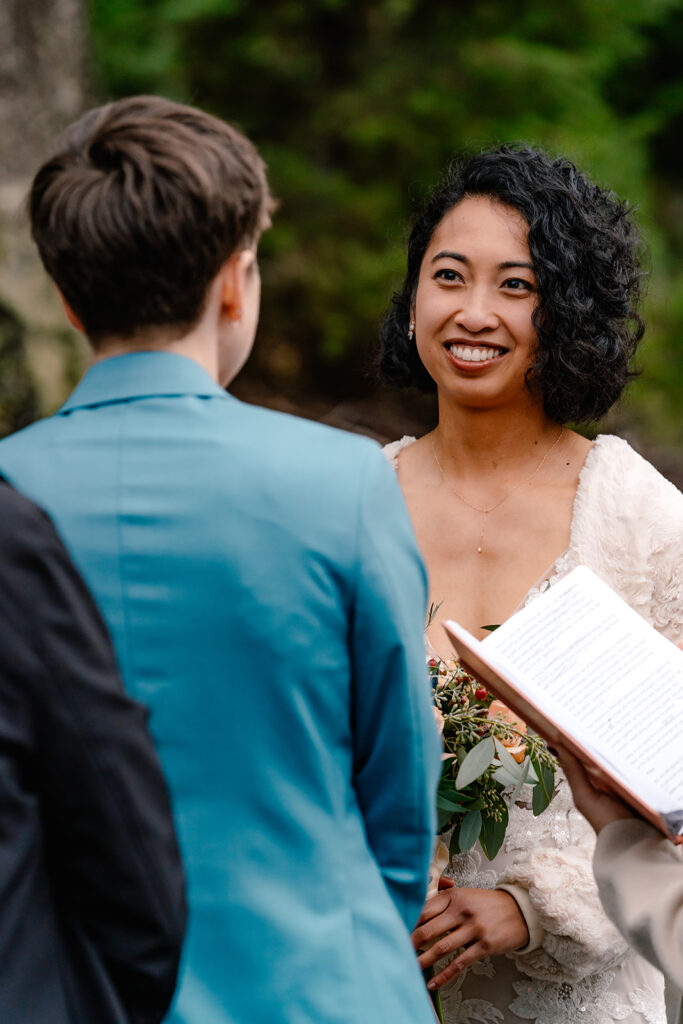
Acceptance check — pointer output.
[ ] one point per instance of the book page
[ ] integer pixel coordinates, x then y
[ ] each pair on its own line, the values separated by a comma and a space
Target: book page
590, 662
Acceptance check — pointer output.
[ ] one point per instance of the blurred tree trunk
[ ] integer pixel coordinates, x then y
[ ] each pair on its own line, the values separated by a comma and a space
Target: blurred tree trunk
42, 88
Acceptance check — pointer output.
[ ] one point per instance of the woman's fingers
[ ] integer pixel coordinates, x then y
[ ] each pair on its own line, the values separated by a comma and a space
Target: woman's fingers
595, 801
468, 957
426, 933
434, 906
448, 944
581, 776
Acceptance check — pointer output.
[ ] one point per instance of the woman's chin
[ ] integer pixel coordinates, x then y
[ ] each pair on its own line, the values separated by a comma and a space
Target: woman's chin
479, 393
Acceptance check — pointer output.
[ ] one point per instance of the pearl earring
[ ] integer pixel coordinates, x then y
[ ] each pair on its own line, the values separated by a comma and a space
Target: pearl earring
411, 330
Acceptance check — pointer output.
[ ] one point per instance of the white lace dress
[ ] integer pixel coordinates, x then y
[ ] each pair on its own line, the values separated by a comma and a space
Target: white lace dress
627, 526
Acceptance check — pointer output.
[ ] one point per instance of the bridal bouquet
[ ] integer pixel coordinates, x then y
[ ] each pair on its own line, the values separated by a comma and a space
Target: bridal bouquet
488, 757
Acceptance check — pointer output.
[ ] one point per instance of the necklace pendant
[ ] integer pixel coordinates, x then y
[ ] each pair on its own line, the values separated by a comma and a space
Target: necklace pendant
479, 551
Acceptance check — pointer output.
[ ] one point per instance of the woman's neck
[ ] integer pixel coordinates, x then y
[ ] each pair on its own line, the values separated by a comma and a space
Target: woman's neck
492, 442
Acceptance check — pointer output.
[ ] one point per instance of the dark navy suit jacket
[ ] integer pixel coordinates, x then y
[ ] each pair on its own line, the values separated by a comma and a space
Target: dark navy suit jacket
91, 886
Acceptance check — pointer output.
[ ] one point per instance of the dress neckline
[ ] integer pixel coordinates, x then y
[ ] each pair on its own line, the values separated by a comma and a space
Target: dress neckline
563, 563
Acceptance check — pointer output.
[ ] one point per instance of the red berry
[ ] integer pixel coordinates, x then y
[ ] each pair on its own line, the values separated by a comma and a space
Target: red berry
480, 693
432, 663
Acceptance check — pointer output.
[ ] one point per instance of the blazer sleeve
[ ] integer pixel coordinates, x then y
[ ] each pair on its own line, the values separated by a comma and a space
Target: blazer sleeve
640, 880
109, 836
397, 749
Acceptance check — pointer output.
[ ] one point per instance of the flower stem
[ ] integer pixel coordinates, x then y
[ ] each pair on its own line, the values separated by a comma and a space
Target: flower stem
434, 995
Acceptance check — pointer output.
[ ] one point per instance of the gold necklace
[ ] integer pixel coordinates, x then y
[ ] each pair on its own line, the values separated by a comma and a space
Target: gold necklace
485, 511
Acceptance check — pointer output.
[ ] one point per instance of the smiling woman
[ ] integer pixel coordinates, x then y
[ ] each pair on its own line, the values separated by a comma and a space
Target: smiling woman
519, 308
473, 311
585, 256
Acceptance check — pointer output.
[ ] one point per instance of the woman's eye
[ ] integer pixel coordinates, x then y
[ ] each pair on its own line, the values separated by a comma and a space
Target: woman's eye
447, 274
518, 284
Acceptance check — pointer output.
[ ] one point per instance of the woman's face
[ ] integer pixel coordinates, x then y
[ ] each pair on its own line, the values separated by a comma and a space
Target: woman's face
475, 298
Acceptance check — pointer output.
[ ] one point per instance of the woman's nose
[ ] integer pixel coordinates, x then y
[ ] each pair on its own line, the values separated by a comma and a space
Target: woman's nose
476, 312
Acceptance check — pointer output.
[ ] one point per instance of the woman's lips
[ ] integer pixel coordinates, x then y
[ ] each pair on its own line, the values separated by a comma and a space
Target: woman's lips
474, 357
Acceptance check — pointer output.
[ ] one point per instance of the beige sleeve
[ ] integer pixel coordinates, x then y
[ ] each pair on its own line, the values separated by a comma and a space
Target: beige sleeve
563, 913
531, 917
640, 880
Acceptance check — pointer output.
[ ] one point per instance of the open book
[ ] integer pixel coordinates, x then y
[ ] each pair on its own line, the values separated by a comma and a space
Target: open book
585, 670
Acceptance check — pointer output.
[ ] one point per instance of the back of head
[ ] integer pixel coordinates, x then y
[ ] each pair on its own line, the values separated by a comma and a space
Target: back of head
138, 210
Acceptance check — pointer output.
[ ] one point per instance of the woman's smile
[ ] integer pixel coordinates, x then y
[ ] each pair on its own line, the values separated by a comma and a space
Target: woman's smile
473, 358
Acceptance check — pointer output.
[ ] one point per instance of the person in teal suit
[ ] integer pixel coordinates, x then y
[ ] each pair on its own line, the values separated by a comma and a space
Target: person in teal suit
259, 577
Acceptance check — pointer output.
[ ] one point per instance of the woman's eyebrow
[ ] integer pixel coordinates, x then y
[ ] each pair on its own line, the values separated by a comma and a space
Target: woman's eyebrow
513, 263
449, 255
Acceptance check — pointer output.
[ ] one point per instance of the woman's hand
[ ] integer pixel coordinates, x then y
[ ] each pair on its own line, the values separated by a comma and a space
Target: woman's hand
484, 921
591, 792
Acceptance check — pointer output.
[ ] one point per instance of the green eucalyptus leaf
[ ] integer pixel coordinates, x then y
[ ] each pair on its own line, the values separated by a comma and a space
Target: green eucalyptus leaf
515, 792
549, 779
447, 788
507, 760
444, 804
540, 800
528, 768
505, 777
508, 781
448, 791
526, 776
493, 834
476, 762
469, 830
546, 778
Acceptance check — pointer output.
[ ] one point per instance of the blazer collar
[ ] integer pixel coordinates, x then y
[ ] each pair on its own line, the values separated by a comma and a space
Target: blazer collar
141, 375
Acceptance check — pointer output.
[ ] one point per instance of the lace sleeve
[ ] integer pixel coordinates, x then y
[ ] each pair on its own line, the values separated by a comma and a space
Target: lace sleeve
628, 527
666, 559
579, 939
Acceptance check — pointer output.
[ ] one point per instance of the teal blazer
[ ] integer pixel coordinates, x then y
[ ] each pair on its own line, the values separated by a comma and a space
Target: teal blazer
266, 600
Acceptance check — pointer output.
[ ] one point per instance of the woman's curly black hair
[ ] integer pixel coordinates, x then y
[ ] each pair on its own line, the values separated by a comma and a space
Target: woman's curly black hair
587, 256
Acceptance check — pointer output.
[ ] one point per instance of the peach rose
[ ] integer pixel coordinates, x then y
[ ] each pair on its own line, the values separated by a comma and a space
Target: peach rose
500, 712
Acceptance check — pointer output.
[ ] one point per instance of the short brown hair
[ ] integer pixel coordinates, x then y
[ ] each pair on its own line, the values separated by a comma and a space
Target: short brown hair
140, 207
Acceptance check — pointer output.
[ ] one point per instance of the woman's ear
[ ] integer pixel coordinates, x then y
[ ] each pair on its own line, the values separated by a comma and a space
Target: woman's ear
70, 315
411, 323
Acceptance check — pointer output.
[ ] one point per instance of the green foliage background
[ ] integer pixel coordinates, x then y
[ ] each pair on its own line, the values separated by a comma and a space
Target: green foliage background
358, 105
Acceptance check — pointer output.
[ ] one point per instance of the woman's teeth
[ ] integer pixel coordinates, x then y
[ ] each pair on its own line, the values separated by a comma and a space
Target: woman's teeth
474, 355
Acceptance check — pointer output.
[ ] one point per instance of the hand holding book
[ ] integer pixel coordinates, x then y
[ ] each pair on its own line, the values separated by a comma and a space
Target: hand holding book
598, 804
